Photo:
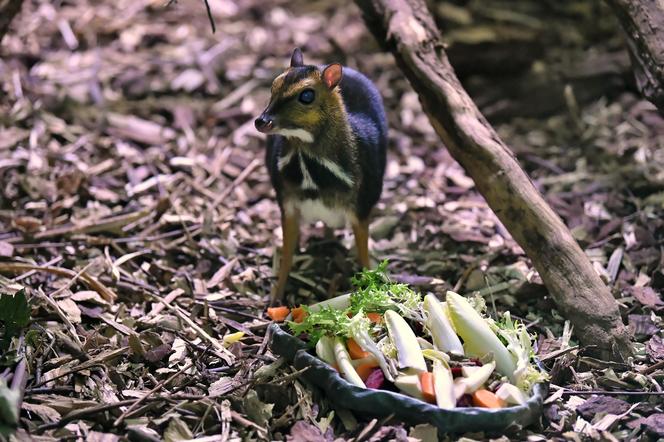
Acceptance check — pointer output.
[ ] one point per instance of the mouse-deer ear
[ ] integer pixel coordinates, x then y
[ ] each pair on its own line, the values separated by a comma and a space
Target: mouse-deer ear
332, 75
296, 59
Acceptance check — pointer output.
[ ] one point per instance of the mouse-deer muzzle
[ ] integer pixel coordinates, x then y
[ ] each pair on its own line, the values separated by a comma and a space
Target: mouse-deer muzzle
264, 123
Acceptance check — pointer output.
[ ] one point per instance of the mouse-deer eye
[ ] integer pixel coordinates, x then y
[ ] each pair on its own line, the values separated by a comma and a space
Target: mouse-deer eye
307, 96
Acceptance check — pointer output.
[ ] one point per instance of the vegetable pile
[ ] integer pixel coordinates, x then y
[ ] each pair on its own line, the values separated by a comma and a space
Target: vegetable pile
385, 336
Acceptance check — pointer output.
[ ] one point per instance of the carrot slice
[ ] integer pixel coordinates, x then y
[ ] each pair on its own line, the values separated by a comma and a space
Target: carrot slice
365, 370
376, 318
354, 350
299, 314
278, 314
486, 399
426, 385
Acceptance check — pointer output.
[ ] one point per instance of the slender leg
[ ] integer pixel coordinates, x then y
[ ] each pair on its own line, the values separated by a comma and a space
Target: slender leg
290, 226
361, 232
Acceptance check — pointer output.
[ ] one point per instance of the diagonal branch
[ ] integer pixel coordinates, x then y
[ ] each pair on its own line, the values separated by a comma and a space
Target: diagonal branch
410, 33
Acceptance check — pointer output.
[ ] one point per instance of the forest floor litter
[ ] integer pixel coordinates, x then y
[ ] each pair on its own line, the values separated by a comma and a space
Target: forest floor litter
137, 215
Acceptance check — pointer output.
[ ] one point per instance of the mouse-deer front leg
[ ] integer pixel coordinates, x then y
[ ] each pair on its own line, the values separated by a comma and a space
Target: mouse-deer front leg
290, 227
361, 232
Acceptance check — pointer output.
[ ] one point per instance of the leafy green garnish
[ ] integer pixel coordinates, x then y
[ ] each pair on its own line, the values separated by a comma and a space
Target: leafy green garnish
375, 292
519, 343
326, 321
367, 278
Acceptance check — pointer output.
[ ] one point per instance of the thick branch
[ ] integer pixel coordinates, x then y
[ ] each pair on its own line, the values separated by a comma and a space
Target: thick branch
8, 9
410, 33
643, 23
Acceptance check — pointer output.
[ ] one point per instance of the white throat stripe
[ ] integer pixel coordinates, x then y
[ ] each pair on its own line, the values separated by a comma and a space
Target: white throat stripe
307, 181
300, 134
283, 161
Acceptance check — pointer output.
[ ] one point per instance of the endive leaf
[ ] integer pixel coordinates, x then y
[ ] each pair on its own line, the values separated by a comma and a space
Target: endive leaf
409, 354
475, 381
345, 366
338, 303
442, 333
325, 349
477, 336
443, 384
435, 355
511, 394
409, 383
358, 328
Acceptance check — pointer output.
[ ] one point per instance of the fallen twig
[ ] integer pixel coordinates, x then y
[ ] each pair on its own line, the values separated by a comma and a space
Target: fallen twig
239, 179
652, 368
98, 360
156, 388
218, 346
78, 414
612, 393
92, 282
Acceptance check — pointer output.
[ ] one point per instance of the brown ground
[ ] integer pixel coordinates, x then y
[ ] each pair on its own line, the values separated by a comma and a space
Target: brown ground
127, 149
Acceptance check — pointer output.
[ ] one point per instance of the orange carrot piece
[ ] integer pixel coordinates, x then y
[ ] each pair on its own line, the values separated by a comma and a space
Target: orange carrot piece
365, 370
376, 318
426, 385
278, 314
485, 399
299, 314
354, 350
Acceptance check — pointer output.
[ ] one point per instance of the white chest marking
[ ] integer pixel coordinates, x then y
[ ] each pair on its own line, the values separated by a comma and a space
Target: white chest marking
315, 210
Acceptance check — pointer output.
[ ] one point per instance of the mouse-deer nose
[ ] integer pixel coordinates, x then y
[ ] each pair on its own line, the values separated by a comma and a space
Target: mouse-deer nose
263, 123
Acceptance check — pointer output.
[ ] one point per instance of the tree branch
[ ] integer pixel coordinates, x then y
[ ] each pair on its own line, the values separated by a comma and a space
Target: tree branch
409, 32
643, 23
